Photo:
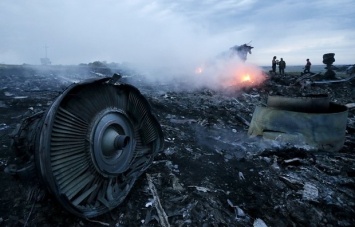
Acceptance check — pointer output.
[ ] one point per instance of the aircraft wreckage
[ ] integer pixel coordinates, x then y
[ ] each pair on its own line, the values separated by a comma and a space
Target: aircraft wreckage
90, 146
99, 136
92, 143
241, 51
312, 120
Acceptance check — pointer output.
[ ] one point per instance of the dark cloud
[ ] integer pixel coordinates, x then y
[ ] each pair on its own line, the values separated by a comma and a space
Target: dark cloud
176, 33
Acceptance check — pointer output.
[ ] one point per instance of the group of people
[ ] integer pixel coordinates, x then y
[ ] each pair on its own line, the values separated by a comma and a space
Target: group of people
281, 63
282, 66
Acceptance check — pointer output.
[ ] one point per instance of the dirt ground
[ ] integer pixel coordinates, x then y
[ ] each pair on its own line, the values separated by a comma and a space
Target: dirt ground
211, 173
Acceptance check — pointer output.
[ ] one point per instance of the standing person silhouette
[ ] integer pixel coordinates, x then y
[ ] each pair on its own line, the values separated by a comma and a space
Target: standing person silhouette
307, 67
273, 65
282, 66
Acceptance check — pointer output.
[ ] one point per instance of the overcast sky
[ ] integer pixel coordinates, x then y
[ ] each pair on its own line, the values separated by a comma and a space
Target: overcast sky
175, 32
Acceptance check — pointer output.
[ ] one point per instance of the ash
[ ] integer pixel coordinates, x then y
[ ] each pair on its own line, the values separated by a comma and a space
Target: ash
210, 173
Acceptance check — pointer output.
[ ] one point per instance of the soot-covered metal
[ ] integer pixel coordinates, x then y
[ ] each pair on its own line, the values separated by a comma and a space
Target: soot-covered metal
211, 172
90, 146
312, 120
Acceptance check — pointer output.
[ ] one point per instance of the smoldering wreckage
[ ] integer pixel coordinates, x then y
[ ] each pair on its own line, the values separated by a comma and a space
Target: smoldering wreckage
120, 151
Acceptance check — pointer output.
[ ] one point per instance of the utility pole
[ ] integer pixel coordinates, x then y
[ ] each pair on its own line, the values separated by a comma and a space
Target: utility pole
45, 60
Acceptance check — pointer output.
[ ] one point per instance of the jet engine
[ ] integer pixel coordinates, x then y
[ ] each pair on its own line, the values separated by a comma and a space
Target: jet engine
91, 145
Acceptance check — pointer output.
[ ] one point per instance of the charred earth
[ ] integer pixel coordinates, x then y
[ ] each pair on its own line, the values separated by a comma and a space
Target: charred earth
211, 173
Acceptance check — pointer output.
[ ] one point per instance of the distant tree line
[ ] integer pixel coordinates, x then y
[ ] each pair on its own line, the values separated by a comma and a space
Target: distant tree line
109, 68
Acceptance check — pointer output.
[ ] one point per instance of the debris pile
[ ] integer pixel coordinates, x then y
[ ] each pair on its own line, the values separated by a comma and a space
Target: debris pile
210, 172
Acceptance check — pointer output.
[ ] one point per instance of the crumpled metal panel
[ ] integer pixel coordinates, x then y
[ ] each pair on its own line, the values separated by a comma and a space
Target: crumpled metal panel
289, 121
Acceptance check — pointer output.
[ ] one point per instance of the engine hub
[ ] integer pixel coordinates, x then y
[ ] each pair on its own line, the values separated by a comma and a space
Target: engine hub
112, 143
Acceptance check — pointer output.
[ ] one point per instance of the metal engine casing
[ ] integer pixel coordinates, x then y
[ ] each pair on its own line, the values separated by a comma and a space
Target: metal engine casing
91, 144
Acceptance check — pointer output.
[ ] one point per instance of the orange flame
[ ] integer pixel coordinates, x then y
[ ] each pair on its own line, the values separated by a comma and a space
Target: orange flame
246, 78
230, 74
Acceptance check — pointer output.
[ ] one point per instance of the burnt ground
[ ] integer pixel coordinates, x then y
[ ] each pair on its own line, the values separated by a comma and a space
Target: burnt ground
210, 172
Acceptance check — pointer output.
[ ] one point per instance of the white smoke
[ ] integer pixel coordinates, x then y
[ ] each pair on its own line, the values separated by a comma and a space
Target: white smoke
215, 73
